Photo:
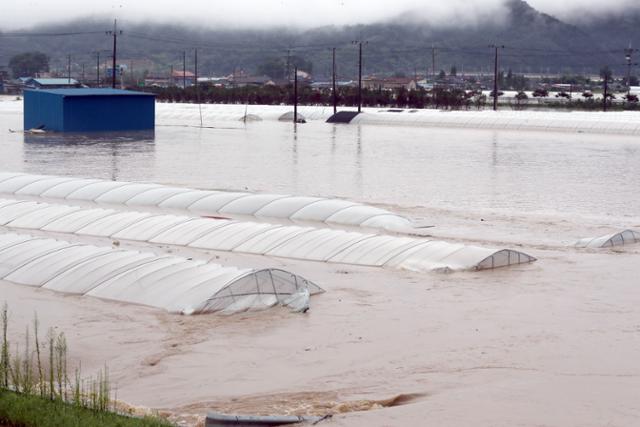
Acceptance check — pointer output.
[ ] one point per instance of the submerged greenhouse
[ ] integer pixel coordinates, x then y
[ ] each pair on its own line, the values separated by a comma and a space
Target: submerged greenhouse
622, 238
205, 203
176, 284
285, 241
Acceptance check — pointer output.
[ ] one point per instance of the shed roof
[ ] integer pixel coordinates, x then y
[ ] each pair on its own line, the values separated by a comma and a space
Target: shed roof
54, 81
93, 92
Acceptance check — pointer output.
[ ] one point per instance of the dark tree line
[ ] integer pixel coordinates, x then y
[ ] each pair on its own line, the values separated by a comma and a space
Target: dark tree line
446, 98
28, 64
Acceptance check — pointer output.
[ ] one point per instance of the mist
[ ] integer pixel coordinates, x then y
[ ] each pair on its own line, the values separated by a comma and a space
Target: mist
295, 13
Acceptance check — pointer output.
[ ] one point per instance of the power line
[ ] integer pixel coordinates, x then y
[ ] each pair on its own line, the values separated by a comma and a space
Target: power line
78, 33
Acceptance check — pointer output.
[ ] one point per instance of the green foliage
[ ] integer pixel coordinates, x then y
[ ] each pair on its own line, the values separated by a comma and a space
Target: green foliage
32, 397
28, 64
19, 410
4, 353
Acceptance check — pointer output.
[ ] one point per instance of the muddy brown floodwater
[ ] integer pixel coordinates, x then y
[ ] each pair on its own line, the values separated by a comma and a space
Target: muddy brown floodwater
553, 343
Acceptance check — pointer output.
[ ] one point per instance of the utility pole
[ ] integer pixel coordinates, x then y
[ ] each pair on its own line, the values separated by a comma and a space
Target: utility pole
83, 72
627, 54
495, 77
295, 96
288, 72
171, 76
184, 69
69, 69
359, 43
605, 94
98, 69
196, 68
114, 33
433, 63
335, 95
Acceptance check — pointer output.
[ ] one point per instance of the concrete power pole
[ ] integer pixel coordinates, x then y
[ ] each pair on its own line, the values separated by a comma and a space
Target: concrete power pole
98, 69
495, 77
433, 63
184, 69
288, 70
114, 33
195, 72
295, 95
627, 54
360, 43
335, 95
605, 93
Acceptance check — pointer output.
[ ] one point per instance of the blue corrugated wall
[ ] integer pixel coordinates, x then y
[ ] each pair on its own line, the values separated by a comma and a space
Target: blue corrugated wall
109, 113
43, 110
88, 110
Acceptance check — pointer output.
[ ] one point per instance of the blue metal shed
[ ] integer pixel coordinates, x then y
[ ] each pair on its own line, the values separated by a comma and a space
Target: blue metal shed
88, 110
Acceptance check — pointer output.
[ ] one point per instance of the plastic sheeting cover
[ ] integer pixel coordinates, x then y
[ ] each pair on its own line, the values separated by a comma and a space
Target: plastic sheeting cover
175, 284
306, 243
204, 203
622, 238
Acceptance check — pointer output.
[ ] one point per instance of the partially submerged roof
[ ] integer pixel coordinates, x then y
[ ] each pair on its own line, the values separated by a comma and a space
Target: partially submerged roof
66, 93
178, 285
622, 238
205, 203
53, 81
296, 242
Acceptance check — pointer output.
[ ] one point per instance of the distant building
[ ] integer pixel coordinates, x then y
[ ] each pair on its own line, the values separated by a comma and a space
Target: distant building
214, 81
157, 81
389, 83
49, 83
186, 78
329, 84
245, 80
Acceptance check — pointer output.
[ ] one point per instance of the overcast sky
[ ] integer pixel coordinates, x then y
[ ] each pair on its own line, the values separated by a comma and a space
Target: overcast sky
300, 13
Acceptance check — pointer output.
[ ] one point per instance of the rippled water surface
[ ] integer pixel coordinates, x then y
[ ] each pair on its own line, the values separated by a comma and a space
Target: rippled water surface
450, 168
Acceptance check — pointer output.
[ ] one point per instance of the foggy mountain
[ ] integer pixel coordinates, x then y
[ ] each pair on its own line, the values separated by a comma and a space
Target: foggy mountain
533, 41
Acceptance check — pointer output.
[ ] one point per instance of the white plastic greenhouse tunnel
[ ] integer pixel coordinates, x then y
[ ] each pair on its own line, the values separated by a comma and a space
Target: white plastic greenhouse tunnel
622, 238
575, 121
178, 285
335, 212
189, 114
284, 241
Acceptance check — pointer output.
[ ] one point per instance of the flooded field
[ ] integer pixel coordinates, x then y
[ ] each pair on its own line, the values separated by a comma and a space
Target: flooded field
567, 173
551, 343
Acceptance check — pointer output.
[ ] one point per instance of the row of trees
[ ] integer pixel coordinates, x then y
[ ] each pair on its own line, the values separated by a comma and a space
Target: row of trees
447, 98
439, 97
28, 64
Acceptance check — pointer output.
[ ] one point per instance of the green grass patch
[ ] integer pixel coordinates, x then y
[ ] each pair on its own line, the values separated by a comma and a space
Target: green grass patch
18, 410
